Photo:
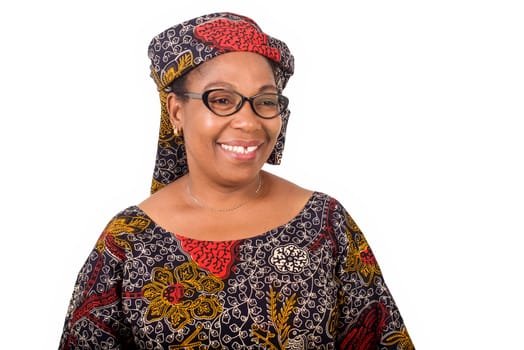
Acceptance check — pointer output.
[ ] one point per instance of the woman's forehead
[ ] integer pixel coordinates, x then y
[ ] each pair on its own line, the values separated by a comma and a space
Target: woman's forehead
245, 66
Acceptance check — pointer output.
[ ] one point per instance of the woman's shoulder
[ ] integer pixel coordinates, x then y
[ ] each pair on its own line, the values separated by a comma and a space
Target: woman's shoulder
294, 198
131, 219
127, 213
289, 189
280, 186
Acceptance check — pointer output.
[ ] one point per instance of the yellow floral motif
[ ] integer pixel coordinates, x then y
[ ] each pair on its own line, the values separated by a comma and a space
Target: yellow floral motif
156, 185
401, 339
352, 224
335, 312
360, 257
188, 343
280, 320
123, 224
166, 128
182, 295
184, 61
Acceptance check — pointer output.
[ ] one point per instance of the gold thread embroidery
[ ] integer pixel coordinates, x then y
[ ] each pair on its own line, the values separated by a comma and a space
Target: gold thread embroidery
182, 295
280, 319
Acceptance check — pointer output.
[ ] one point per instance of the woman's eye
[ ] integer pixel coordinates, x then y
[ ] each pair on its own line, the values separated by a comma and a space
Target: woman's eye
224, 100
267, 102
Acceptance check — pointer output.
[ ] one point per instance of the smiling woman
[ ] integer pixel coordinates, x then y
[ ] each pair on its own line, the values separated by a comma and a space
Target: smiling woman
223, 254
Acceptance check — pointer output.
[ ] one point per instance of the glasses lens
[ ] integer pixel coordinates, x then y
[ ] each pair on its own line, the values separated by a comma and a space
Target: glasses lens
223, 102
269, 105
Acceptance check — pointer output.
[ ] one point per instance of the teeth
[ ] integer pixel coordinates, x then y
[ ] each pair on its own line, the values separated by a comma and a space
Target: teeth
239, 149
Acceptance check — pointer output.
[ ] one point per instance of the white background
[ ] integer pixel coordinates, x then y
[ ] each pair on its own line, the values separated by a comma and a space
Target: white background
409, 112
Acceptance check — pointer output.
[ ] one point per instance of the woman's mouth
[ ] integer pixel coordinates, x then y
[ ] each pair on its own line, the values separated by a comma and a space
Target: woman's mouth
239, 149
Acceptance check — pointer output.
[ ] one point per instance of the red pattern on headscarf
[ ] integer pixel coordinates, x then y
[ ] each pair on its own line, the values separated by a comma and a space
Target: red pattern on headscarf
229, 35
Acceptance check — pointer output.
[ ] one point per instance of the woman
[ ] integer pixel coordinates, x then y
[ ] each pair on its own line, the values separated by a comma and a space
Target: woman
224, 255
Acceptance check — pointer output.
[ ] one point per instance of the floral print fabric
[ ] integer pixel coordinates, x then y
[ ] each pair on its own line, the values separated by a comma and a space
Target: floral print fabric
312, 283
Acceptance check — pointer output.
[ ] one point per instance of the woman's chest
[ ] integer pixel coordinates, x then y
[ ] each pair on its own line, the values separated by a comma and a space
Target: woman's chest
233, 294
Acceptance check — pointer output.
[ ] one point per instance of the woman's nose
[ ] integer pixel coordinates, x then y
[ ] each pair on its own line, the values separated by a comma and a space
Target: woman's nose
246, 117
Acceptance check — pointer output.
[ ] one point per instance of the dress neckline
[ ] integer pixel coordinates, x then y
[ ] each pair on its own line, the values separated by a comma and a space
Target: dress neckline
315, 195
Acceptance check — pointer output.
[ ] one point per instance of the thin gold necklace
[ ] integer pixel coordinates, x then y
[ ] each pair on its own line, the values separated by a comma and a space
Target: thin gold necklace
203, 205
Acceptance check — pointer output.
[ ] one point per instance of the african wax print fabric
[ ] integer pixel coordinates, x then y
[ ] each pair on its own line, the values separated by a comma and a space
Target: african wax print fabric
312, 283
181, 48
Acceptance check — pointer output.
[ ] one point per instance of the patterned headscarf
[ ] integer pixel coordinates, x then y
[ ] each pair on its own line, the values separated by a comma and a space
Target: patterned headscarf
179, 49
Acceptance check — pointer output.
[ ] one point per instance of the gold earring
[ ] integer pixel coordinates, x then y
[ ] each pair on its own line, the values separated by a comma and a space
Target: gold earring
177, 132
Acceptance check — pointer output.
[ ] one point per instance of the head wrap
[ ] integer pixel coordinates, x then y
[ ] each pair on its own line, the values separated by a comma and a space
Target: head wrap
179, 49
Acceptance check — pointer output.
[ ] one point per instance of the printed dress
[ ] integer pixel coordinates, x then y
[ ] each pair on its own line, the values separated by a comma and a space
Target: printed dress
312, 283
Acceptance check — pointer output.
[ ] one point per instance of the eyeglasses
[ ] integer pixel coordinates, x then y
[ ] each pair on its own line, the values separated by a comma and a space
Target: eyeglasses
224, 102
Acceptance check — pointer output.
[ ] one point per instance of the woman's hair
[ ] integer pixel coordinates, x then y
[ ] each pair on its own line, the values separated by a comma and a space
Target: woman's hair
178, 87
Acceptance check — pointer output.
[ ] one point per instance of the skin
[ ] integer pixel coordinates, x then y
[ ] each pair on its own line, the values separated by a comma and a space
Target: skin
218, 176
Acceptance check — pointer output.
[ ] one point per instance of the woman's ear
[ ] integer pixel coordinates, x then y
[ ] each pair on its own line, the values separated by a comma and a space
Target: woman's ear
173, 109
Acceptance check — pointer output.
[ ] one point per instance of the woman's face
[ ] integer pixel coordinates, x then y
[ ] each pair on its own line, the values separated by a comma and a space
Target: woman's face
229, 149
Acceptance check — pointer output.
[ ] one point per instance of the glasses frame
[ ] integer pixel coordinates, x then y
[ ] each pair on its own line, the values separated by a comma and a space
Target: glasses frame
204, 97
